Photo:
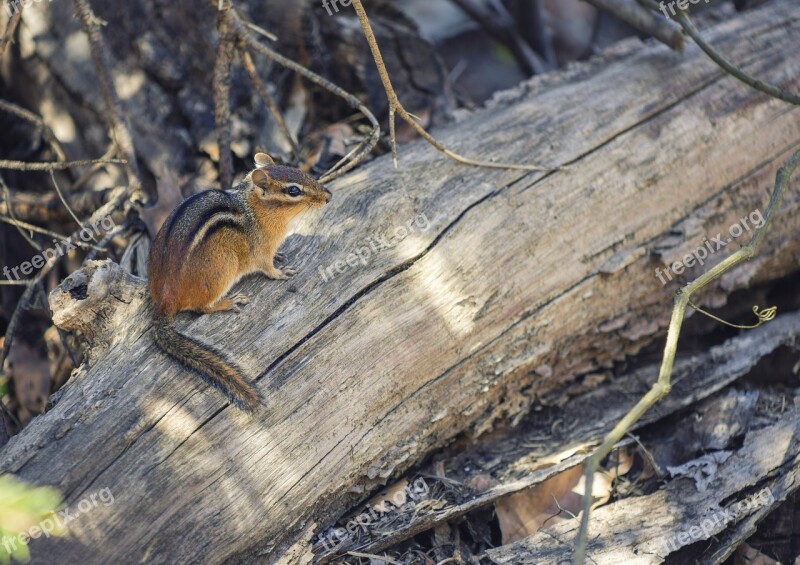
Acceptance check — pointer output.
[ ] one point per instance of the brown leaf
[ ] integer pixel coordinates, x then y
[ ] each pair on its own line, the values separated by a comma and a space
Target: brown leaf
330, 144
522, 514
393, 495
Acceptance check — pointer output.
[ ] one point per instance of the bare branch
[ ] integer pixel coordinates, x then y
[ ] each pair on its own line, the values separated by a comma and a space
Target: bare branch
259, 85
396, 107
365, 146
686, 23
662, 387
116, 201
120, 132
58, 166
222, 96
7, 196
64, 200
666, 31
47, 133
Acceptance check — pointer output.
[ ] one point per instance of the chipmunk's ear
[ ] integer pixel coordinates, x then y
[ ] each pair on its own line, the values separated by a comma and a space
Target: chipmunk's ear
260, 179
262, 160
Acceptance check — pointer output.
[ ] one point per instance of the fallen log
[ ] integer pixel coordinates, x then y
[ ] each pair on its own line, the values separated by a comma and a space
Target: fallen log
559, 439
431, 300
681, 520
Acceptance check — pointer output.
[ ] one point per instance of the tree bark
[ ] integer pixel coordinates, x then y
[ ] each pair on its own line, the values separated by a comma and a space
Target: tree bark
502, 468
497, 288
646, 529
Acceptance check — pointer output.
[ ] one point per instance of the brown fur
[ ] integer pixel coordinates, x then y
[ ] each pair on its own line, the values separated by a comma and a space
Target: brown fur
209, 364
207, 244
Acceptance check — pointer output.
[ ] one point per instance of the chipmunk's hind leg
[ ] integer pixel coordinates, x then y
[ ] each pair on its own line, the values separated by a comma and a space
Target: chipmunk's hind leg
226, 304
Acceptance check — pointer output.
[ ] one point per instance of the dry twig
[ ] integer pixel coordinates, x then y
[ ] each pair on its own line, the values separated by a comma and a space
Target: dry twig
15, 222
683, 297
666, 31
59, 166
371, 557
43, 231
64, 200
11, 27
259, 85
47, 133
663, 384
222, 95
682, 17
84, 178
120, 132
363, 149
395, 107
115, 202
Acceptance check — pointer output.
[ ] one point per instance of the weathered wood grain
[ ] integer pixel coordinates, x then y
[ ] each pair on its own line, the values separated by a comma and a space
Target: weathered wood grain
527, 459
520, 285
647, 529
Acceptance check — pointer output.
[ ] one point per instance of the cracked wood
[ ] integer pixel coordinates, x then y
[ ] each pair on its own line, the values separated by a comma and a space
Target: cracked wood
522, 281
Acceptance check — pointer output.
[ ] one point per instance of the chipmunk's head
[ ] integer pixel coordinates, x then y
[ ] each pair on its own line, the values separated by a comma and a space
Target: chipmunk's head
286, 187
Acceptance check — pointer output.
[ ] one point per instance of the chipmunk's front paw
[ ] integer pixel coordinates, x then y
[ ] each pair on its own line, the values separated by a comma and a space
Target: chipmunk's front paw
288, 272
280, 257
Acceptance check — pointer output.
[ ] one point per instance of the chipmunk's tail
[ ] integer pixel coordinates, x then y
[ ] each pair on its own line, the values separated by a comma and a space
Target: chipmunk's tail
211, 365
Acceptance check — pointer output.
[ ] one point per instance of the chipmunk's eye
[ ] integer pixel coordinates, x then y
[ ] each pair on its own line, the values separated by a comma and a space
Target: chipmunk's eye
293, 190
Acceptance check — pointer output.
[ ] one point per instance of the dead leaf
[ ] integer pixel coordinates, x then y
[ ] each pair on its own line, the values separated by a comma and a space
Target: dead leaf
522, 514
395, 495
552, 501
330, 145
603, 481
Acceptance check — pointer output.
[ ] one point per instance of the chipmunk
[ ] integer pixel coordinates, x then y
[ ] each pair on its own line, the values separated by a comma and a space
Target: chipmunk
207, 244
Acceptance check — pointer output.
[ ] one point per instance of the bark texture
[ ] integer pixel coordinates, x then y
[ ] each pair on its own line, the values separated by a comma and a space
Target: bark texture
431, 300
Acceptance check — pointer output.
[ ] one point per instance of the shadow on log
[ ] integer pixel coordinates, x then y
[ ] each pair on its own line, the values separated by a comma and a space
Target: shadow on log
432, 300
